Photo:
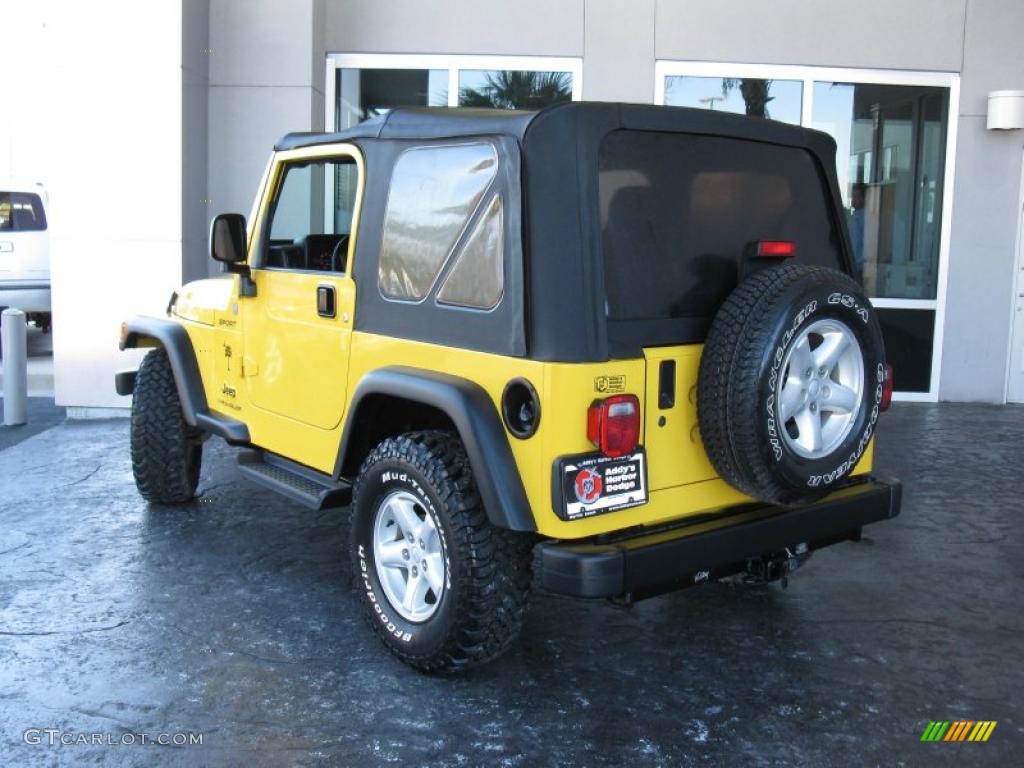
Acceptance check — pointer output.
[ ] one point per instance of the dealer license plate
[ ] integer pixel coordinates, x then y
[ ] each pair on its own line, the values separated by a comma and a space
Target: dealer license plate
593, 484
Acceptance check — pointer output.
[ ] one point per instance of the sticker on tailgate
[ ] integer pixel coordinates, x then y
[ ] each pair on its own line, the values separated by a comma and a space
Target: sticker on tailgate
593, 484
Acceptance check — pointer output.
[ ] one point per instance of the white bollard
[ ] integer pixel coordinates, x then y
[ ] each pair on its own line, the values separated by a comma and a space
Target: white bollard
14, 338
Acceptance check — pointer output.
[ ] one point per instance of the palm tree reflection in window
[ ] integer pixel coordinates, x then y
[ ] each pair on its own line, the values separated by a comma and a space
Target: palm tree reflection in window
754, 93
509, 89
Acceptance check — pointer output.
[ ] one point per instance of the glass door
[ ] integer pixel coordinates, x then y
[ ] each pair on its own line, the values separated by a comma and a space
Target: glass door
928, 186
890, 160
1015, 379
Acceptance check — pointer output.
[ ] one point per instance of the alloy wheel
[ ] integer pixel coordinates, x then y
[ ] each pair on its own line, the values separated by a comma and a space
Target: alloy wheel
821, 390
408, 554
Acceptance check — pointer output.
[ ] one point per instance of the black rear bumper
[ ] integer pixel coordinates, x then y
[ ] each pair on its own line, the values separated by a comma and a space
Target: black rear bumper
654, 560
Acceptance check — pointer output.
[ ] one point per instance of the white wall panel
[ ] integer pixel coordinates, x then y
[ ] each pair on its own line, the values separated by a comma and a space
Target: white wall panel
100, 124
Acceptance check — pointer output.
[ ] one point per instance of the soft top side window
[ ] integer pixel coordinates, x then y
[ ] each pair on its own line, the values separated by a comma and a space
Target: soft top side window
477, 277
436, 193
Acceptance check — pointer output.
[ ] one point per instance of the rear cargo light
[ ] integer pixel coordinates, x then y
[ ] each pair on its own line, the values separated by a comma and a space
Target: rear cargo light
886, 389
613, 424
776, 249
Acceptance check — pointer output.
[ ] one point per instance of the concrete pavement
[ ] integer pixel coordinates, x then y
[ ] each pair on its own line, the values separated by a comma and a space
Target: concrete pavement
233, 618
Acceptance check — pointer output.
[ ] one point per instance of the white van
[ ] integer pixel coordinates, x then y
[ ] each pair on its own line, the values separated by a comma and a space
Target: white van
25, 252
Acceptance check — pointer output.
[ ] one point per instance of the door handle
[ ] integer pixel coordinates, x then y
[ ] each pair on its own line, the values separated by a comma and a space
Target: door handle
326, 306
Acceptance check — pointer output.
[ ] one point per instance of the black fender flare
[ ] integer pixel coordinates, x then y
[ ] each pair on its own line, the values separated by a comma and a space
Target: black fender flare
175, 341
479, 426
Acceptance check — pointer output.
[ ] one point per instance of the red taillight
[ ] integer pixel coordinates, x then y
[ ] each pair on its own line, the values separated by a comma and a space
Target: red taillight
613, 424
886, 389
776, 249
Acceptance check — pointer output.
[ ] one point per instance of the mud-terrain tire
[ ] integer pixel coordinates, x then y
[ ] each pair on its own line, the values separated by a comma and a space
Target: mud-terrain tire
477, 577
792, 347
166, 452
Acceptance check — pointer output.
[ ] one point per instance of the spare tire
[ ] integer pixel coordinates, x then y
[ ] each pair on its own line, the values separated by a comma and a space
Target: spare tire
790, 383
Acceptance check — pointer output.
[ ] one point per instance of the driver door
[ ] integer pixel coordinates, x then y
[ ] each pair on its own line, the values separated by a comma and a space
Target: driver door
298, 327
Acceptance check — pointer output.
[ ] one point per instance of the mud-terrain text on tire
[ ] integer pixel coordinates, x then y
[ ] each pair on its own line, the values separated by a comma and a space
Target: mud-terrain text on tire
470, 606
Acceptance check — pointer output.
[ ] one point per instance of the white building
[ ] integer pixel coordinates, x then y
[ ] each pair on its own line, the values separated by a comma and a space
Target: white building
146, 119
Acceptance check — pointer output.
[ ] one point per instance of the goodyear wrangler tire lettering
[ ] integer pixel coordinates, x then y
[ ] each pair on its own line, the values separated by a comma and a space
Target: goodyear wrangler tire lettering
476, 611
790, 383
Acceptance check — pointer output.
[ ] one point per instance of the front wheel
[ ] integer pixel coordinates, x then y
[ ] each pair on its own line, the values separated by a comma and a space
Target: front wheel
166, 452
441, 586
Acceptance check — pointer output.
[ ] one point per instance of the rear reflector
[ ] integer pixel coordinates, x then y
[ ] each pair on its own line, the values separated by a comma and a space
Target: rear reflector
776, 249
613, 424
886, 389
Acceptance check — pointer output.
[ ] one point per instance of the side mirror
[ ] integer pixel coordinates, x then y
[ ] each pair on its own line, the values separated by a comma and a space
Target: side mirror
227, 245
227, 238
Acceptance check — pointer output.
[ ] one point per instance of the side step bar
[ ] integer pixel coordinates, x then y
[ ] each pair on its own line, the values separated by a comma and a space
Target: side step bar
314, 490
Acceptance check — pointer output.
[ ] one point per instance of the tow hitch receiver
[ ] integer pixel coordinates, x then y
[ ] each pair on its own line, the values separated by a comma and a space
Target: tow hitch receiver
777, 566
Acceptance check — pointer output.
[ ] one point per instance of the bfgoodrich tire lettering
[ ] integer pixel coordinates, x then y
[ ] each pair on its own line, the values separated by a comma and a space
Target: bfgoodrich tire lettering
750, 436
487, 569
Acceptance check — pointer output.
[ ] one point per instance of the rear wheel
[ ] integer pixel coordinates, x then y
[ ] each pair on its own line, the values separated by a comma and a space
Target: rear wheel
790, 383
442, 587
166, 452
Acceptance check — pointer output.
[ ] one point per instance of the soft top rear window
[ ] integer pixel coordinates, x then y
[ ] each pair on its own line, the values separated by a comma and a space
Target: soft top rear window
21, 212
678, 212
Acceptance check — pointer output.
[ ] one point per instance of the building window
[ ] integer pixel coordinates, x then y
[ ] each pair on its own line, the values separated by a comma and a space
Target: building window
513, 89
366, 93
757, 97
360, 86
893, 138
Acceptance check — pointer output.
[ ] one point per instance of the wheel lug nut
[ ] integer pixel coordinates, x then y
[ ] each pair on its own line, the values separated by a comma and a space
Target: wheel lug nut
814, 407
415, 571
420, 543
405, 554
809, 372
423, 565
822, 371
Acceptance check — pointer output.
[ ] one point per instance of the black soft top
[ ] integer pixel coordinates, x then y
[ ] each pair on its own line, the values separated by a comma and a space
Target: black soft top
453, 122
557, 308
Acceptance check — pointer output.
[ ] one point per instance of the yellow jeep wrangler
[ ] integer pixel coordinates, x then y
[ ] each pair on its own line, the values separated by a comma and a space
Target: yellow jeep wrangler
604, 350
